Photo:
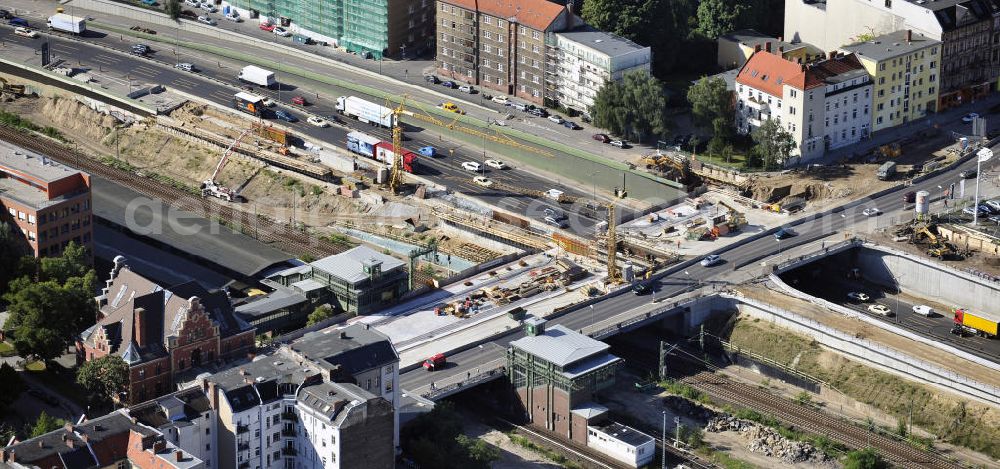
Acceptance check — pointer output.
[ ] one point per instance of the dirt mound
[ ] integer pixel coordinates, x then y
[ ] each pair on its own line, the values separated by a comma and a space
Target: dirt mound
817, 185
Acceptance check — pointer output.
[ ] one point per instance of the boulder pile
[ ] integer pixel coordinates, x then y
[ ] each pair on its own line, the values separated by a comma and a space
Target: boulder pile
767, 441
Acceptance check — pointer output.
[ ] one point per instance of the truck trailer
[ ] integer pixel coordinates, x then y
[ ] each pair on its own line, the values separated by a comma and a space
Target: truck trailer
67, 24
364, 111
362, 144
886, 171
983, 327
248, 103
258, 76
385, 154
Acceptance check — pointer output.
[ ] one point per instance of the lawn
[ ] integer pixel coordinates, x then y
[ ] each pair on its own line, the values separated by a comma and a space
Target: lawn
7, 350
735, 161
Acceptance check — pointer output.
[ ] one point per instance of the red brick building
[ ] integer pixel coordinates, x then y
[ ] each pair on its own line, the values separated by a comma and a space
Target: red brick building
161, 332
47, 202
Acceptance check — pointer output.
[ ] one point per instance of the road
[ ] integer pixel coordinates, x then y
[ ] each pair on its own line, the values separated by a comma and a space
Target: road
846, 219
108, 57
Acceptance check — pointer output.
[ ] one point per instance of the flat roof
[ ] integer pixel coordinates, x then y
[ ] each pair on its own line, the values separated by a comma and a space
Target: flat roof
624, 433
354, 348
349, 265
184, 231
888, 46
601, 41
18, 159
561, 346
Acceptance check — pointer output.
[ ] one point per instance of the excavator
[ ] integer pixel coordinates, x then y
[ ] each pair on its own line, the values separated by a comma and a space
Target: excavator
938, 248
669, 166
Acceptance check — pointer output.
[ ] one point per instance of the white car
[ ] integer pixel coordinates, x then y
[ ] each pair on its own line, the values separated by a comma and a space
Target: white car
184, 66
234, 18
496, 164
871, 212
267, 102
858, 296
207, 20
482, 181
923, 310
318, 121
21, 31
619, 143
711, 260
500, 123
471, 166
880, 309
208, 7
556, 118
969, 117
282, 32
466, 89
193, 3
501, 100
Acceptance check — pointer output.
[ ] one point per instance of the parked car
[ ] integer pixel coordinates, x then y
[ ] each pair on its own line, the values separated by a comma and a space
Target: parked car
871, 212
571, 125
234, 17
299, 100
21, 31
432, 79
448, 84
619, 143
208, 7
267, 27
467, 89
994, 204
556, 118
501, 100
967, 174
207, 20
184, 66
521, 106
880, 309
858, 296
285, 116
471, 166
711, 260
923, 310
318, 121
193, 3
496, 164
279, 31
969, 117
482, 181
538, 112
603, 138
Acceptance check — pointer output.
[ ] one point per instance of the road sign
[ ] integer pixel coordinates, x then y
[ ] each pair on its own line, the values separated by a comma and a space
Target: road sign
984, 155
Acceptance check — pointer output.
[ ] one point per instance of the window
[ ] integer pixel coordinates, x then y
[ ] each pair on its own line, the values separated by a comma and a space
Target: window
535, 35
792, 93
31, 219
487, 35
21, 216
487, 19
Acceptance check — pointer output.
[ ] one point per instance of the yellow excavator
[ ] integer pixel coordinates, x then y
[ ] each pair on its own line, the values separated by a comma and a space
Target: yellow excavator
938, 248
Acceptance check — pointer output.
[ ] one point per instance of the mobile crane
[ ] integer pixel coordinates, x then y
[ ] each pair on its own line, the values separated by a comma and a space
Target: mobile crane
210, 187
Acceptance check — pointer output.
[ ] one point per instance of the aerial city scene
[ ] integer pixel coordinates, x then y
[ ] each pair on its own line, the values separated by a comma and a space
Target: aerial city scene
499, 234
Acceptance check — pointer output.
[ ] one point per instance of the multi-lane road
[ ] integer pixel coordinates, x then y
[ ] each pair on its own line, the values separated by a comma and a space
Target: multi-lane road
109, 60
847, 219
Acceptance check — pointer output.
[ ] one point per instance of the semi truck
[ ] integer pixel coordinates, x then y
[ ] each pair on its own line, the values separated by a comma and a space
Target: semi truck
385, 154
258, 76
248, 103
67, 24
364, 111
886, 171
379, 150
362, 144
966, 321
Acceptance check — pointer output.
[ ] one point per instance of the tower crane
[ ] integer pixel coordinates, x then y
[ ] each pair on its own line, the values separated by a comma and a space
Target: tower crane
210, 187
396, 173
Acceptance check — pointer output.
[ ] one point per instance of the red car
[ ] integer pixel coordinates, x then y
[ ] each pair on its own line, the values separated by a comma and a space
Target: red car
602, 138
435, 362
267, 27
300, 101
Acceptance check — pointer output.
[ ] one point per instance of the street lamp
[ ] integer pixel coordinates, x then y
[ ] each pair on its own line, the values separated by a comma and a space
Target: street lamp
592, 317
982, 155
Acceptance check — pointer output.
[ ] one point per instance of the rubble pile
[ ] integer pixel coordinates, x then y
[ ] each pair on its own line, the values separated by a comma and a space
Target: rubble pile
767, 441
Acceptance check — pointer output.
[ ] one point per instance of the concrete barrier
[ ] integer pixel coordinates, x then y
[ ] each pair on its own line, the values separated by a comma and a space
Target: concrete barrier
49, 78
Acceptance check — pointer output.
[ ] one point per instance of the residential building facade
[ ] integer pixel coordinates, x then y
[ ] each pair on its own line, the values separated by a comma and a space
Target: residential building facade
736, 47
587, 59
905, 72
969, 31
372, 28
186, 420
500, 45
823, 105
46, 202
162, 332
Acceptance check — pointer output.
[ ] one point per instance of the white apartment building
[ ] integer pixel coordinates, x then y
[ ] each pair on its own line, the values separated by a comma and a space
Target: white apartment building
824, 105
589, 58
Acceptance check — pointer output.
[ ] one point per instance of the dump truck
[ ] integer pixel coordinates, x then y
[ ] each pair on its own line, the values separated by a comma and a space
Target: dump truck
886, 171
983, 327
248, 103
258, 76
67, 24
366, 112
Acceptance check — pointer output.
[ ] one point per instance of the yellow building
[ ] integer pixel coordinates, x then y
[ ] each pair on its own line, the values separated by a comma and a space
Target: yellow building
905, 69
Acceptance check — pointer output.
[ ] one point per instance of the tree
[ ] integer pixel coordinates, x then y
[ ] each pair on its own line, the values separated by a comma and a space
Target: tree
718, 17
435, 440
660, 24
106, 376
45, 424
320, 314
867, 458
12, 256
481, 452
774, 144
173, 8
11, 387
37, 318
72, 263
634, 107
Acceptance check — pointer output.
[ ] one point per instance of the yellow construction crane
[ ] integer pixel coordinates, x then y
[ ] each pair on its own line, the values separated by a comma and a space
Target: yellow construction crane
614, 275
396, 174
496, 136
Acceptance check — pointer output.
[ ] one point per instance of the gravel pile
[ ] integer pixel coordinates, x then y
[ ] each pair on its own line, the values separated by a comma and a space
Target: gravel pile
767, 441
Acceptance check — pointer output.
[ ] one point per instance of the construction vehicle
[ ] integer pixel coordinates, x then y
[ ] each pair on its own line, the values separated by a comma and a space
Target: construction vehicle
676, 167
889, 151
735, 218
982, 326
210, 187
938, 248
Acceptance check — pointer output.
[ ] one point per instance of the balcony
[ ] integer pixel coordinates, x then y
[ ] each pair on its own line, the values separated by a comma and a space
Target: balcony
243, 446
289, 432
245, 465
289, 416
757, 105
288, 451
242, 428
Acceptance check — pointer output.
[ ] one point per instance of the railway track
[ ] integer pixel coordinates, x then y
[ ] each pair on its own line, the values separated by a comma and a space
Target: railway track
811, 420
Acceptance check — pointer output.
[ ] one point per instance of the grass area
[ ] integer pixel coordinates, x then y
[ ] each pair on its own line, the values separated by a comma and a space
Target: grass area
13, 120
167, 180
551, 455
952, 419
685, 391
7, 350
736, 161
725, 460
37, 366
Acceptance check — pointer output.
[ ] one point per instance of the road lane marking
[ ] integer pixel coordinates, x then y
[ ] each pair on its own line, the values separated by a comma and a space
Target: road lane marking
185, 83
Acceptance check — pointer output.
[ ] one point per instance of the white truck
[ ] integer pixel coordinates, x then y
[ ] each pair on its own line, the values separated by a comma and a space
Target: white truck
67, 24
258, 76
364, 111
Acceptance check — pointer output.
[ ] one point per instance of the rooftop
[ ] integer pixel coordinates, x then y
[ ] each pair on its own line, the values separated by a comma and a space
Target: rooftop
17, 159
625, 434
350, 265
353, 349
888, 46
172, 409
245, 385
604, 42
752, 37
328, 399
769, 72
535, 14
107, 436
561, 346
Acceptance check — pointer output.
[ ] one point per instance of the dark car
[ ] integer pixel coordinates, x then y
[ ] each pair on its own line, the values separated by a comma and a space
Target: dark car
285, 116
449, 84
431, 79
539, 112
783, 233
19, 22
641, 288
603, 138
4, 14
140, 49
967, 174
571, 125
910, 197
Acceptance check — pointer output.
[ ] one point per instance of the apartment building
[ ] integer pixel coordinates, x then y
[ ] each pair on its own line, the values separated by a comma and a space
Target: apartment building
823, 105
905, 72
186, 420
162, 332
500, 44
371, 28
736, 47
969, 31
47, 203
587, 59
